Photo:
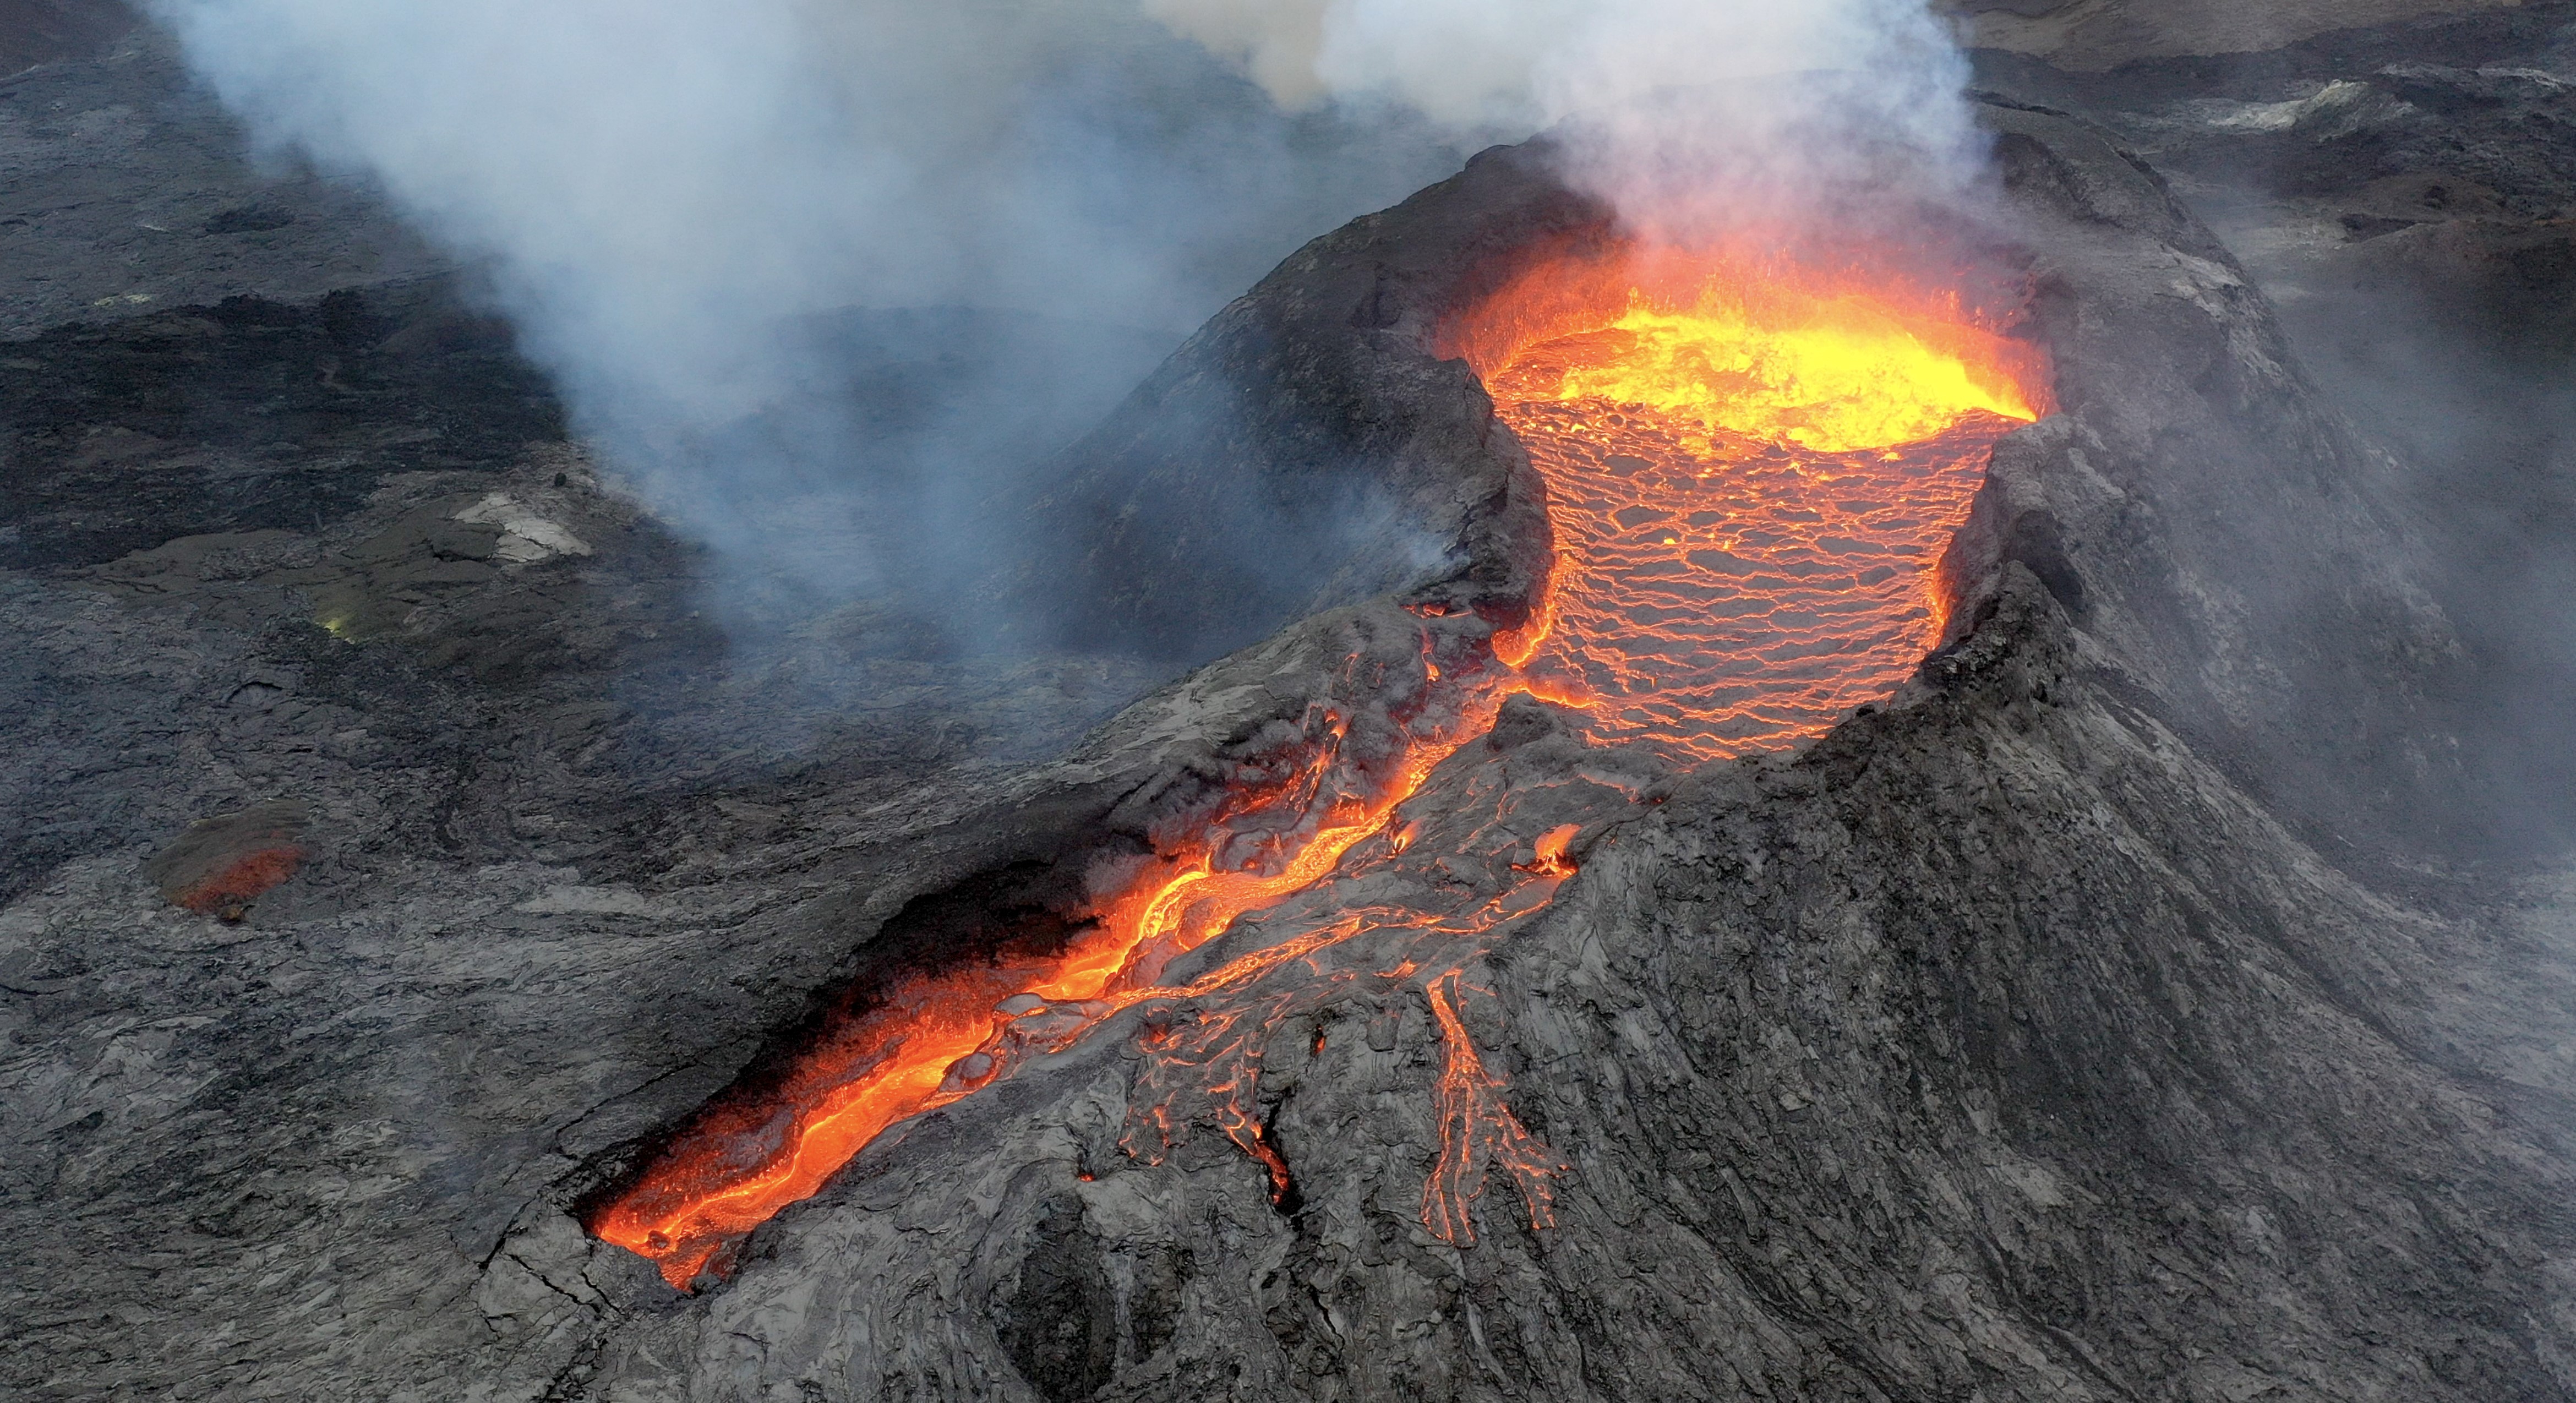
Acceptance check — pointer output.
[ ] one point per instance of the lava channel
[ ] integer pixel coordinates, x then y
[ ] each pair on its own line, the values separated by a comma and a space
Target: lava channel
1751, 468
931, 1039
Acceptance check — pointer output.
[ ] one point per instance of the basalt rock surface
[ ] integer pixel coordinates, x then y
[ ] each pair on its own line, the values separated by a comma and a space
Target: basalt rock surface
42, 31
2003, 1044
2098, 35
1359, 462
2026, 1037
2402, 193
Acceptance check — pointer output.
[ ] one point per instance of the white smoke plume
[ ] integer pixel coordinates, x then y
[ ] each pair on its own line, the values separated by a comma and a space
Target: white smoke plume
664, 193
1532, 63
1676, 102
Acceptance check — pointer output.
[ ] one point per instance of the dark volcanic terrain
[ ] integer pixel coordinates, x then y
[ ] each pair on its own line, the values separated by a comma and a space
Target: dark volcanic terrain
2169, 993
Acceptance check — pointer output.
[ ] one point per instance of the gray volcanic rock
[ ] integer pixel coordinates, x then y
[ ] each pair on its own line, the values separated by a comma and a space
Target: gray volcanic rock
1355, 462
124, 189
2000, 1045
2092, 35
44, 31
2222, 535
249, 414
2013, 1041
2402, 193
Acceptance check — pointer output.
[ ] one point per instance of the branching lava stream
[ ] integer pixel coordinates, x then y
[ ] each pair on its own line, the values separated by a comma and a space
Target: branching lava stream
1750, 473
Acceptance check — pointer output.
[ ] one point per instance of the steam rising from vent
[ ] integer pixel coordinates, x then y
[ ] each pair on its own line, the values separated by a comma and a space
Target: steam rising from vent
1676, 122
675, 199
677, 202
1535, 62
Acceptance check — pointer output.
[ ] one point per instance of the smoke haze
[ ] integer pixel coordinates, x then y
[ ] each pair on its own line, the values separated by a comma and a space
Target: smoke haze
1668, 97
705, 219
1531, 63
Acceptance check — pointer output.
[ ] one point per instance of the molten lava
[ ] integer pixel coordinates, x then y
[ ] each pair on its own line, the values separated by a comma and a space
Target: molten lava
1751, 470
1477, 1131
1835, 375
936, 1038
1749, 481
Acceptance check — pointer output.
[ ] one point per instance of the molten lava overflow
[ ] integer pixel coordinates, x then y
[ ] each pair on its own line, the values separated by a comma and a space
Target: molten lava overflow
1751, 471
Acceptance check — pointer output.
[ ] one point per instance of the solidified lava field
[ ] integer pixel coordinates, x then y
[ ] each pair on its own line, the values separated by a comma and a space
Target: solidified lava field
1983, 818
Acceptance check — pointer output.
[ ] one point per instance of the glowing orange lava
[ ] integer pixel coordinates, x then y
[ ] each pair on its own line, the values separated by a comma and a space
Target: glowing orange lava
1477, 1131
1750, 480
1751, 470
1834, 375
936, 1038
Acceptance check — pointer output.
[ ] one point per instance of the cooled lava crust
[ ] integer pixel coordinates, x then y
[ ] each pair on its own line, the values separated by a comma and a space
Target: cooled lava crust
1746, 464
2031, 1037
2119, 567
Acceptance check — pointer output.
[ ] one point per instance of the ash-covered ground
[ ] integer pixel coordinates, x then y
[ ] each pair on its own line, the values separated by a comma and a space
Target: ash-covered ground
2170, 994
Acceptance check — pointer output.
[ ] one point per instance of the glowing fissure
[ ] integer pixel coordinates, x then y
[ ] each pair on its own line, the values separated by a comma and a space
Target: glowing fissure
1749, 481
937, 1038
1477, 1131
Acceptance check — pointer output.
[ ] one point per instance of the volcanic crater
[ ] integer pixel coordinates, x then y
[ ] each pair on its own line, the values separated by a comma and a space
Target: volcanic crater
1815, 433
1864, 816
1316, 1030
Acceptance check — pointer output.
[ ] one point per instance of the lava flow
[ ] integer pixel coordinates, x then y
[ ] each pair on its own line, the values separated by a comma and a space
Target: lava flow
1750, 469
935, 1038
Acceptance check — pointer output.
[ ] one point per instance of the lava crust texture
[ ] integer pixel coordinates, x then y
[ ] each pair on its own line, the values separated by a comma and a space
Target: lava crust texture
2003, 1043
2011, 1040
